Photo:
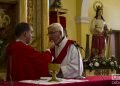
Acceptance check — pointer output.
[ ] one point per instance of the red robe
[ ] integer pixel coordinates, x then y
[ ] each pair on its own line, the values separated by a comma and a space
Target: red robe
62, 54
26, 63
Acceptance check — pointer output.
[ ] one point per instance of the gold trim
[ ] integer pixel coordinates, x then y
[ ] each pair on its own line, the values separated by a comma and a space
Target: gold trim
30, 11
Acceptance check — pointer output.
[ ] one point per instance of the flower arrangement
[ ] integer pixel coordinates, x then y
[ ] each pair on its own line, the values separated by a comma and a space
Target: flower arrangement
101, 63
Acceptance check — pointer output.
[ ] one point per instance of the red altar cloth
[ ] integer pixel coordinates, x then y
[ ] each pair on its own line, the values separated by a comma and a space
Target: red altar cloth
92, 81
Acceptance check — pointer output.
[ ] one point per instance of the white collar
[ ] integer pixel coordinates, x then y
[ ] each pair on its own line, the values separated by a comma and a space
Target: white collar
19, 40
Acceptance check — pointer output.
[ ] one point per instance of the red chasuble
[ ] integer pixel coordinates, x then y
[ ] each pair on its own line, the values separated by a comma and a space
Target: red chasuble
62, 54
26, 63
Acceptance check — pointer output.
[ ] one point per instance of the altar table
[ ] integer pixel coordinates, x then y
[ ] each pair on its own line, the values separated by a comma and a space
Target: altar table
92, 81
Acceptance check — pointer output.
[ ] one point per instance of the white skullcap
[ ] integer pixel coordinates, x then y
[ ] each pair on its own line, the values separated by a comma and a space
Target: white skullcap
57, 26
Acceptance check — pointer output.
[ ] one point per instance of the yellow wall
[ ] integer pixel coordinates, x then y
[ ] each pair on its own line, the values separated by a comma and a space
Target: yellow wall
23, 11
84, 32
70, 18
78, 25
74, 29
82, 28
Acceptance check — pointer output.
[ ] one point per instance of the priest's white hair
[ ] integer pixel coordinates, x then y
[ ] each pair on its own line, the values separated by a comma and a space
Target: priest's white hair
57, 26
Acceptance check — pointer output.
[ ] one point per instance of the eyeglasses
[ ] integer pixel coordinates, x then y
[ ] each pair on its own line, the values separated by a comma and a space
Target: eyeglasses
51, 33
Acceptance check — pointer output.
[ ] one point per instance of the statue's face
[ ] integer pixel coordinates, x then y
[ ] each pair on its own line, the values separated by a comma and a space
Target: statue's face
100, 12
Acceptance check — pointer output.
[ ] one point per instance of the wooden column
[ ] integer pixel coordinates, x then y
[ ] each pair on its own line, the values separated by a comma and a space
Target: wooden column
38, 18
22, 10
45, 23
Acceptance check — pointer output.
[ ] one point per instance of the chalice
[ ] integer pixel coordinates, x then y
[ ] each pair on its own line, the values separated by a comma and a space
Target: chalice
53, 70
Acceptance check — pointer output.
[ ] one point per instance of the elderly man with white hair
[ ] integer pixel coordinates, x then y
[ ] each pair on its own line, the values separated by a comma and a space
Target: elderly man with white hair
65, 52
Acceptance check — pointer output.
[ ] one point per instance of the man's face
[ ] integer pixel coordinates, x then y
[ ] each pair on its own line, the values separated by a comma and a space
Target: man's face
28, 35
54, 35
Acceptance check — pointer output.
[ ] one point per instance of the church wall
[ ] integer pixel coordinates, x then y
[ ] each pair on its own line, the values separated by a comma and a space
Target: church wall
70, 18
73, 28
78, 25
23, 11
82, 23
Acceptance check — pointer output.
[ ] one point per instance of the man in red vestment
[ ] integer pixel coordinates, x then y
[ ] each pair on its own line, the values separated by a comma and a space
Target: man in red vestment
23, 61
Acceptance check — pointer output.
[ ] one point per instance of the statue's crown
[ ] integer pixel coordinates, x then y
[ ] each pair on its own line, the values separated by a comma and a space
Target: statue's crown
99, 7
